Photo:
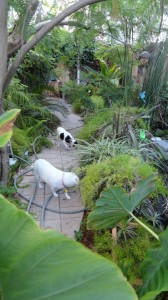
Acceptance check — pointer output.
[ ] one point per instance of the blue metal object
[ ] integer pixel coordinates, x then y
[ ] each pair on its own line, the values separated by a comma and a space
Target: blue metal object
142, 96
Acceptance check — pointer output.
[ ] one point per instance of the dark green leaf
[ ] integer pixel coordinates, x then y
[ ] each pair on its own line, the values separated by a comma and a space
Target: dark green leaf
115, 204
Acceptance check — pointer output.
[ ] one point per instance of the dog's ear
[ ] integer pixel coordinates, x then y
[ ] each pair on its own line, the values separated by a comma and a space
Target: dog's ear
62, 136
68, 139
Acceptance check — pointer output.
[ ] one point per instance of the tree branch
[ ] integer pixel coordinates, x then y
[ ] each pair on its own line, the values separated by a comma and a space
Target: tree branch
38, 26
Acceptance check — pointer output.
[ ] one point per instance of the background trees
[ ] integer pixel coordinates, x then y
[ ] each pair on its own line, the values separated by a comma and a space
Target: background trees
26, 39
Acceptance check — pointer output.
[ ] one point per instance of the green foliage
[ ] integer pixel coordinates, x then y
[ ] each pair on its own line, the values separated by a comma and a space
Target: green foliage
123, 171
78, 235
71, 271
20, 142
114, 118
78, 108
115, 204
154, 271
103, 243
93, 122
97, 101
78, 95
9, 193
34, 72
73, 91
32, 108
100, 149
34, 120
130, 253
105, 81
6, 125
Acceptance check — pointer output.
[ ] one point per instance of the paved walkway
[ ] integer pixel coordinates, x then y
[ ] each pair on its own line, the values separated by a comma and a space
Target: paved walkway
65, 160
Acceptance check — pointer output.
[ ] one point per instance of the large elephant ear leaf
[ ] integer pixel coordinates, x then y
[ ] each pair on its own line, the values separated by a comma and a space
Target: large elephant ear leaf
154, 270
37, 264
115, 204
6, 125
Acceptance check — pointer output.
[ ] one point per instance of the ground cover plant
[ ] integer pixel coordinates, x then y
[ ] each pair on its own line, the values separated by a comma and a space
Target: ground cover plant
123, 170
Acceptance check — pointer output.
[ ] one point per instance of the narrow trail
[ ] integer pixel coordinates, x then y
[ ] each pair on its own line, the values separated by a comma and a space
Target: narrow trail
65, 160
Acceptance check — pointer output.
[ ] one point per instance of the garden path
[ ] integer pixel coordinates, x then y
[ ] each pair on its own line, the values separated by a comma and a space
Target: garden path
65, 160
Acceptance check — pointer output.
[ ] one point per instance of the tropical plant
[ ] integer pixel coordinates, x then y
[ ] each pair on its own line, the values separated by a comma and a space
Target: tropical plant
60, 266
112, 207
6, 125
115, 205
121, 170
105, 82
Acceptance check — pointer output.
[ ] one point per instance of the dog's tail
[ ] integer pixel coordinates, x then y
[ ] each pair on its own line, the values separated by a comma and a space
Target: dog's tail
33, 145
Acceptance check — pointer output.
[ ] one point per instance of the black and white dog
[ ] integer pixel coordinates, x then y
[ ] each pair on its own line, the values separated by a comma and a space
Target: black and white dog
65, 138
55, 178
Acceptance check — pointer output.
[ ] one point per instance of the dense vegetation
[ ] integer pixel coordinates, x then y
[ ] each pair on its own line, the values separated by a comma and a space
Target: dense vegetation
122, 96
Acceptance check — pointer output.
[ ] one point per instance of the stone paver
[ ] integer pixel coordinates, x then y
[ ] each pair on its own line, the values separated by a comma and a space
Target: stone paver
66, 160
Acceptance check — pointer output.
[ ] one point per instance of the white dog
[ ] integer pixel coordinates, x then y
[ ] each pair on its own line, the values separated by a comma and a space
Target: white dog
55, 178
66, 138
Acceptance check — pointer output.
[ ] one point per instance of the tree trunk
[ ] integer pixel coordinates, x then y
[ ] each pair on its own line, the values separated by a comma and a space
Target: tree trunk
3, 46
4, 167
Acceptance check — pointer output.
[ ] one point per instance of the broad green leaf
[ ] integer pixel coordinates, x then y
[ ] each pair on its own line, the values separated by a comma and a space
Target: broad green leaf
115, 204
155, 270
6, 125
37, 264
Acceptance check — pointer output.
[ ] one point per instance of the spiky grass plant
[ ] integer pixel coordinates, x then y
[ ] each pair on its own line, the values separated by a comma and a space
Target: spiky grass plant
101, 149
105, 147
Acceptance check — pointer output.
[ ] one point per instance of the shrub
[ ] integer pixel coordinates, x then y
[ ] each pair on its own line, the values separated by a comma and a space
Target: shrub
97, 101
122, 170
